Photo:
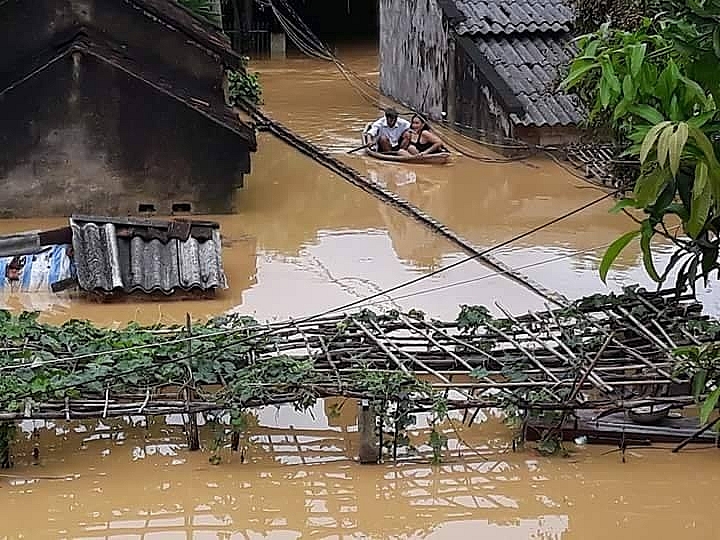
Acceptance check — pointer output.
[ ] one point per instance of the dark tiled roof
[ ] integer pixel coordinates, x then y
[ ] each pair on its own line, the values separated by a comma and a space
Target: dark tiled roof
205, 100
526, 42
128, 255
529, 65
195, 27
514, 16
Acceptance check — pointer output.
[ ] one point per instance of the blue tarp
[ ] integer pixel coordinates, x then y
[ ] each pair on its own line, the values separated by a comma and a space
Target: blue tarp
36, 272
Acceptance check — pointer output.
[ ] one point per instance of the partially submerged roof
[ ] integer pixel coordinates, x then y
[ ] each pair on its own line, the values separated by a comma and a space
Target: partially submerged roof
44, 31
129, 255
525, 43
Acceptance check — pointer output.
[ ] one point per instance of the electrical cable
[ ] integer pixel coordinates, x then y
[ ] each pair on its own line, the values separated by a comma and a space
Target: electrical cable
300, 30
292, 322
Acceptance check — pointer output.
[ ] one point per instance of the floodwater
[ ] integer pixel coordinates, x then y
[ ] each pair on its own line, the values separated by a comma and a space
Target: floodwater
114, 481
304, 241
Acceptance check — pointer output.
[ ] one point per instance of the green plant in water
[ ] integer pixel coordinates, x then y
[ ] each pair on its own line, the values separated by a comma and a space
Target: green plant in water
243, 86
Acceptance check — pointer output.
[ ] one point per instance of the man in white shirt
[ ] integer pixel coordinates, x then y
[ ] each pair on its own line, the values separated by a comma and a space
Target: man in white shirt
389, 132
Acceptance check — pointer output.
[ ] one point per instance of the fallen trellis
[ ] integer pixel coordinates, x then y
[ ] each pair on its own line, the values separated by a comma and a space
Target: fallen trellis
602, 352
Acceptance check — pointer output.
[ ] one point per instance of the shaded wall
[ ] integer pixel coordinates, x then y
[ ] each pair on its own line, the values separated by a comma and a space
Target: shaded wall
30, 26
476, 108
82, 136
414, 54
339, 20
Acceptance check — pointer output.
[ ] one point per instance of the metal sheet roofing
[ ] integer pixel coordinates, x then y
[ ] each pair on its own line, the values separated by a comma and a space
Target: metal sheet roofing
497, 17
111, 256
529, 65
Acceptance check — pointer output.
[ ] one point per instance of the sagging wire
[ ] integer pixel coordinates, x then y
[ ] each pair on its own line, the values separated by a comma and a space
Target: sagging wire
310, 45
292, 323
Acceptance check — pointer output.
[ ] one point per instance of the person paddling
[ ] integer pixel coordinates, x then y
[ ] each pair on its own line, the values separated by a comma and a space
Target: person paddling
389, 132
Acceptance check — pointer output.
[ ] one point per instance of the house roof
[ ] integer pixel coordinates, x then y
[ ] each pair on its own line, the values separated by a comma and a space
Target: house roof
529, 65
129, 255
514, 16
205, 100
199, 29
525, 43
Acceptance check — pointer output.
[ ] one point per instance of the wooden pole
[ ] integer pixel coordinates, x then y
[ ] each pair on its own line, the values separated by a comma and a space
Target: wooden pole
366, 428
193, 434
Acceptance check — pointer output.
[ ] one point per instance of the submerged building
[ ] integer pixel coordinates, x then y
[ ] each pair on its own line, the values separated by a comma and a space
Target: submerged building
489, 66
116, 107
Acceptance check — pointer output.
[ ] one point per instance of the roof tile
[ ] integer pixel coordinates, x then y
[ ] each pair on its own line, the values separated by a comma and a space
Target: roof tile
529, 65
107, 262
514, 16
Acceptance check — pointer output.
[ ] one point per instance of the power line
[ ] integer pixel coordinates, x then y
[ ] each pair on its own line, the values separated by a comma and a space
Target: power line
290, 323
308, 43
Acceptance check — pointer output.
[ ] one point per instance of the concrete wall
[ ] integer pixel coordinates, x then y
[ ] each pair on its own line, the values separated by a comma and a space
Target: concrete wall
414, 54
82, 136
548, 136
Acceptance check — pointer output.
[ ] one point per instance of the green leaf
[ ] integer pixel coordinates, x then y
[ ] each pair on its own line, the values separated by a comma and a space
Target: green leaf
667, 82
650, 138
695, 91
604, 92
709, 405
704, 144
663, 145
613, 251
629, 89
700, 120
591, 48
479, 373
646, 112
647, 233
699, 381
576, 75
648, 186
620, 110
623, 203
701, 178
716, 40
637, 55
699, 210
677, 144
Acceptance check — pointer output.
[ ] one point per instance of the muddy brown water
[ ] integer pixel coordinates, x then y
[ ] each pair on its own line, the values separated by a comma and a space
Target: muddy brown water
304, 241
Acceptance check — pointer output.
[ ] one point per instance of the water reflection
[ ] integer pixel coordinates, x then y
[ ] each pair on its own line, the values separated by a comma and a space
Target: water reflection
487, 203
117, 481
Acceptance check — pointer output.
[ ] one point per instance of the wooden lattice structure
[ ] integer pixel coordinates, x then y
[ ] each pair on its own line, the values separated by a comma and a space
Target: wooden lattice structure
603, 351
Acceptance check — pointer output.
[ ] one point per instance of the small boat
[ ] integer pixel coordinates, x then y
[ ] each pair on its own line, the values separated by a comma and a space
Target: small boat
439, 158
649, 414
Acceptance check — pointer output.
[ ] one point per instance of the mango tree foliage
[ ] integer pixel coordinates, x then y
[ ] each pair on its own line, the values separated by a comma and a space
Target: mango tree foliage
658, 89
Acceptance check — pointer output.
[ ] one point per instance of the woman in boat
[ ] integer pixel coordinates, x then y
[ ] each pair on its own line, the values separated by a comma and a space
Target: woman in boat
423, 141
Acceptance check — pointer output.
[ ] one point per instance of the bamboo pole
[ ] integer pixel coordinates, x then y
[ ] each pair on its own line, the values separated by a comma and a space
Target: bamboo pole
193, 433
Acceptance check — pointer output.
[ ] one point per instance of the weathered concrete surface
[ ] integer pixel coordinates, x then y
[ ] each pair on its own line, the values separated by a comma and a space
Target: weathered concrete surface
414, 54
82, 136
476, 105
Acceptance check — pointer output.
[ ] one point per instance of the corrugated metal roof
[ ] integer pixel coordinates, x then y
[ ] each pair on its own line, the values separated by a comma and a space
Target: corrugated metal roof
495, 17
529, 65
110, 257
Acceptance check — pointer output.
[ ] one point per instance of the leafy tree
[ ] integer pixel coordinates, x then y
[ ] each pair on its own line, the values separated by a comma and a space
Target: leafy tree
657, 87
